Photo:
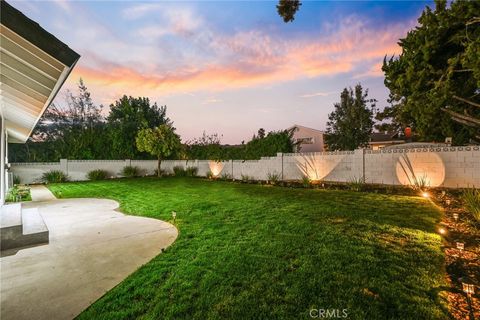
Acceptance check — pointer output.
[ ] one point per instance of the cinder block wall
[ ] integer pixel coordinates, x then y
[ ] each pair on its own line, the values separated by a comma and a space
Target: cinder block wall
453, 167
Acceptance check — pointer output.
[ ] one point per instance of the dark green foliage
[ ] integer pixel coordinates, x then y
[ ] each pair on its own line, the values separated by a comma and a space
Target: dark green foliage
260, 252
71, 131
54, 176
269, 145
287, 9
209, 147
350, 125
130, 171
179, 171
97, 174
440, 59
128, 116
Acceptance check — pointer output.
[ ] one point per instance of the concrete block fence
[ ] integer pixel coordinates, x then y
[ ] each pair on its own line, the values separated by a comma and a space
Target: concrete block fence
452, 167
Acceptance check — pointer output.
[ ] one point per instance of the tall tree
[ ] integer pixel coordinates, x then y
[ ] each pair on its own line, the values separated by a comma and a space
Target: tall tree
349, 126
127, 117
288, 8
439, 63
160, 142
68, 131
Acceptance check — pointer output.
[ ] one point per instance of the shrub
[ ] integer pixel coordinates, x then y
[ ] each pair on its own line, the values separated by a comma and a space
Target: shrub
97, 174
420, 184
130, 171
191, 171
356, 184
226, 176
246, 178
273, 177
179, 171
18, 193
16, 179
54, 176
210, 175
306, 182
471, 200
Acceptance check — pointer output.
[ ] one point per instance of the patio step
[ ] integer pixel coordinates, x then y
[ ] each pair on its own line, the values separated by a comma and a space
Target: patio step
10, 224
21, 227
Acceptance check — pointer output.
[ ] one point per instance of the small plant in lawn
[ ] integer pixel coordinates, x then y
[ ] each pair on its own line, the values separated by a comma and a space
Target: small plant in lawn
471, 200
191, 171
54, 176
130, 171
273, 177
356, 184
179, 171
306, 182
98, 174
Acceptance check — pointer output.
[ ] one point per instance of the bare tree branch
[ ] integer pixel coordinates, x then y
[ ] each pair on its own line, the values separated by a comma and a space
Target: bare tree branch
461, 116
467, 101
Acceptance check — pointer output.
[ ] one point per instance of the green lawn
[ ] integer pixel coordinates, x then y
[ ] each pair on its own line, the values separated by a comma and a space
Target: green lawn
252, 251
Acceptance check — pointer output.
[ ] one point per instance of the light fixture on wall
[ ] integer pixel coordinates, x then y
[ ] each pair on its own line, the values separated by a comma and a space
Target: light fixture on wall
468, 287
460, 246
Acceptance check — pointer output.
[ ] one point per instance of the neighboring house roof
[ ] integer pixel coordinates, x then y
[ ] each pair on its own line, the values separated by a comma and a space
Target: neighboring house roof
299, 126
384, 138
35, 65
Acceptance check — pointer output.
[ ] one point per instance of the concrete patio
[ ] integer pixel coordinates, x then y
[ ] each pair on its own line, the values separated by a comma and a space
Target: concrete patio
92, 248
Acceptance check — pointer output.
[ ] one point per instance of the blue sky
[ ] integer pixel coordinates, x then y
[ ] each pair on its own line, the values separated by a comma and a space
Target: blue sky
229, 67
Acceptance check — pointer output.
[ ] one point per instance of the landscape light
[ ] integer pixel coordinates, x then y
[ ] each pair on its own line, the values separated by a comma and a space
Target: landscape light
425, 195
468, 287
455, 216
448, 201
442, 230
443, 193
460, 246
174, 215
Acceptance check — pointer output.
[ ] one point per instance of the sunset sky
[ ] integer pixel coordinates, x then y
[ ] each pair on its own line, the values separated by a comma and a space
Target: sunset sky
228, 67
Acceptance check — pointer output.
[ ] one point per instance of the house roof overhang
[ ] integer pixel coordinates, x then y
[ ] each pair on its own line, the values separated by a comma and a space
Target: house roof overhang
33, 67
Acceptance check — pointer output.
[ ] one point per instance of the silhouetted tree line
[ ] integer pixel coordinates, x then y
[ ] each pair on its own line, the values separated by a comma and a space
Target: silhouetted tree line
83, 130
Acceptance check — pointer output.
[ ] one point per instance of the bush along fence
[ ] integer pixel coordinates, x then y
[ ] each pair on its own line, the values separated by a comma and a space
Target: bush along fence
451, 167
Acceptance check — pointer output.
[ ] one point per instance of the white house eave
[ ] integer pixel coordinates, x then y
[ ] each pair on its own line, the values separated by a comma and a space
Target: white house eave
29, 81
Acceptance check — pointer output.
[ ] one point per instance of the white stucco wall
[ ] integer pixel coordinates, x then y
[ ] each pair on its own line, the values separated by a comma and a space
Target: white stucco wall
448, 167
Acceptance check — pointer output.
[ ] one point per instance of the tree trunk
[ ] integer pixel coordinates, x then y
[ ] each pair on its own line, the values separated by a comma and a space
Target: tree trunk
159, 172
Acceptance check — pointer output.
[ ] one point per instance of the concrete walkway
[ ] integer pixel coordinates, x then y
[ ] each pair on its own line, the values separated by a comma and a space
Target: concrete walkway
41, 193
92, 248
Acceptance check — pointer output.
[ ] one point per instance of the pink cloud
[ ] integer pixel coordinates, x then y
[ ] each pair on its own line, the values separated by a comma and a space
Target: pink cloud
245, 59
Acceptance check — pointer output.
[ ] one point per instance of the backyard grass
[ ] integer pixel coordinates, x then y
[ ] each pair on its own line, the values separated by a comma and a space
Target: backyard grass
252, 251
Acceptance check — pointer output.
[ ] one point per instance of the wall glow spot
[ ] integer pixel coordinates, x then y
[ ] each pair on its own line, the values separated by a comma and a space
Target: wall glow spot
418, 166
215, 167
